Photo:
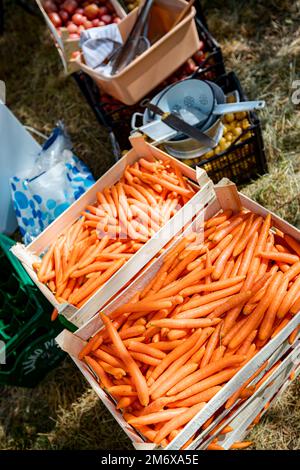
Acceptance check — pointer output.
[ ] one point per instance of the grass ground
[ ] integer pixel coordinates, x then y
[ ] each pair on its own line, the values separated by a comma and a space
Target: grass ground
261, 43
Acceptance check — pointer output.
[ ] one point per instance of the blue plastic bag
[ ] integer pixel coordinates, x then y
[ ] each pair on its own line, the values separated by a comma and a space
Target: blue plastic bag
57, 179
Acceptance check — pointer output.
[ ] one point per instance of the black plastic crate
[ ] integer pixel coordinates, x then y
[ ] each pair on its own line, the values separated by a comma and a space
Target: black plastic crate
27, 335
116, 116
245, 159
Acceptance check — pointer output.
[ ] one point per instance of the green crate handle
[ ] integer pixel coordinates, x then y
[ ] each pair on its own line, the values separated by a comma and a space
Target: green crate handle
5, 244
67, 324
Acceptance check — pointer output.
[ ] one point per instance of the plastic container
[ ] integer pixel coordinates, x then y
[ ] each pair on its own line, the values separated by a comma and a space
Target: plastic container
223, 196
152, 67
31, 360
245, 159
27, 345
116, 116
18, 150
66, 45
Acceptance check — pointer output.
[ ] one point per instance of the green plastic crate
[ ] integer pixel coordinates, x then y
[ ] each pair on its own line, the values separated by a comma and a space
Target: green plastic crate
26, 329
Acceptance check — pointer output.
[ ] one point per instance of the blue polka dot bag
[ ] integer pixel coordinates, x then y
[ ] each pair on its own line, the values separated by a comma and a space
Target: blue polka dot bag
45, 192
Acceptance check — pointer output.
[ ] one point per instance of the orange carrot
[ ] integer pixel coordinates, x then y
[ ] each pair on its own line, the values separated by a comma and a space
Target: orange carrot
232, 302
216, 379
175, 354
217, 354
146, 349
89, 346
249, 233
85, 290
178, 375
125, 402
198, 355
177, 421
205, 300
267, 375
54, 314
248, 255
227, 273
256, 317
221, 233
183, 323
132, 332
295, 245
227, 252
295, 308
280, 327
204, 372
241, 445
144, 358
211, 346
122, 390
137, 377
269, 318
237, 265
232, 331
204, 396
218, 219
293, 271
99, 371
180, 361
282, 257
294, 335
213, 286
45, 262
106, 357
214, 446
117, 372
166, 345
244, 348
289, 299
158, 417
236, 394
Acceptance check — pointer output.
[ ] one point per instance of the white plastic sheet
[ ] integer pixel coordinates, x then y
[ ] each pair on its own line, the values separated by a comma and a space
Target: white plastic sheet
17, 152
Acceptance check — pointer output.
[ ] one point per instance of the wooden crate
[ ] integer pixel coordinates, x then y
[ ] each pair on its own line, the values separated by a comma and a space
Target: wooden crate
223, 196
28, 255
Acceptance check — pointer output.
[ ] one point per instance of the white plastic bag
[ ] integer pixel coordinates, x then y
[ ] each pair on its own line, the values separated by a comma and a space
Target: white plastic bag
50, 186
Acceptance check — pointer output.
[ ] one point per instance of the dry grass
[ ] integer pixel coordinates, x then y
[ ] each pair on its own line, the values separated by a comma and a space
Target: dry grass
260, 42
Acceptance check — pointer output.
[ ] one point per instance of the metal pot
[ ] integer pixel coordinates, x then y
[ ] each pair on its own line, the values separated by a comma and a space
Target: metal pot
199, 103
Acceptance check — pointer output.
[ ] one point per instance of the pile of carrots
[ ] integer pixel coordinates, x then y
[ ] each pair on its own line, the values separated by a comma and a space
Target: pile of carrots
108, 233
219, 297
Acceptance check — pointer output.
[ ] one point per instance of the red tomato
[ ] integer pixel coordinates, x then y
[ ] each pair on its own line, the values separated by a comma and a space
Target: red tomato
199, 57
91, 11
49, 6
96, 22
110, 8
74, 36
72, 28
64, 15
102, 11
88, 24
202, 45
78, 19
70, 6
55, 19
117, 20
79, 10
107, 19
